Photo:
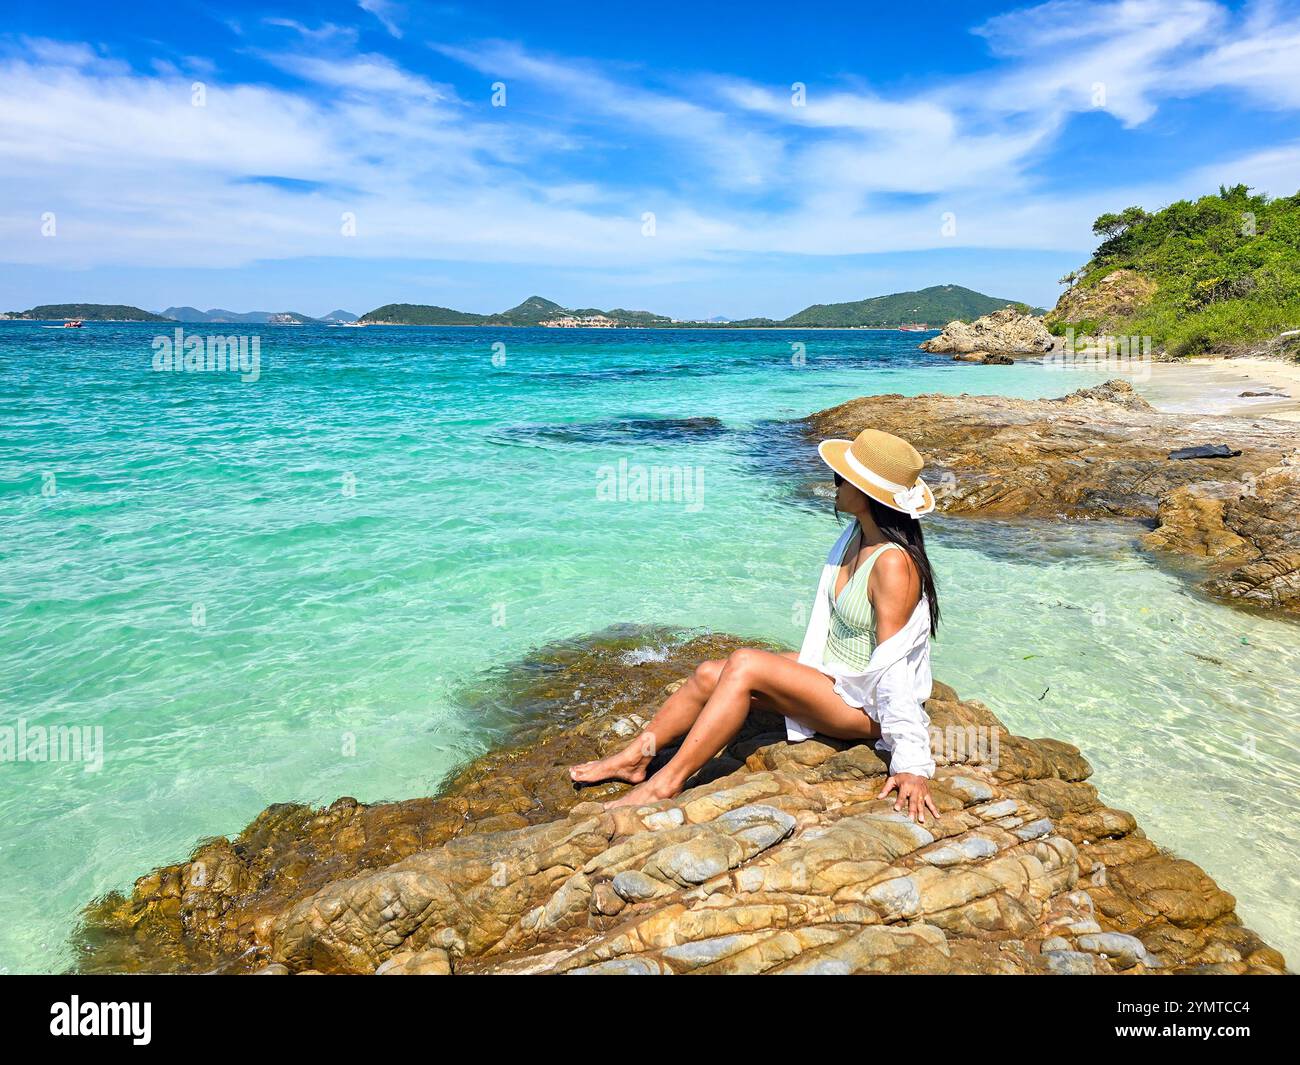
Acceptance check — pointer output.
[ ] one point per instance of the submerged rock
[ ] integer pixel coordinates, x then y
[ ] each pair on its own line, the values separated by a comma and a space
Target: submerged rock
631, 430
984, 358
788, 864
1104, 452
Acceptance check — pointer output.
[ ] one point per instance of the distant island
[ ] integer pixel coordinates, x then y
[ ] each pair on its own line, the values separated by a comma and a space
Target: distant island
936, 305
933, 307
119, 312
190, 315
87, 312
532, 312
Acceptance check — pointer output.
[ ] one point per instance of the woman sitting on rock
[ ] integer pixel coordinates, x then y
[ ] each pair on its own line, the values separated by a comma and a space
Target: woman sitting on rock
863, 672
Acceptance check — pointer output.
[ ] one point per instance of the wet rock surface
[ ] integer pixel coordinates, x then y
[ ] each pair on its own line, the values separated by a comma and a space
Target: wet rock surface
1104, 453
778, 859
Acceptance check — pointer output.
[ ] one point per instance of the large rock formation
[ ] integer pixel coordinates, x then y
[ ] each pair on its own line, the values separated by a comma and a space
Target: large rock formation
1104, 453
1105, 305
1004, 332
779, 859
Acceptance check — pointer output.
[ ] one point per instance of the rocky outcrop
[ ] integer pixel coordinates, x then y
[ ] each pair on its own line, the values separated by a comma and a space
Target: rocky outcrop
779, 859
1116, 391
1005, 332
1250, 531
209, 911
1104, 453
1105, 305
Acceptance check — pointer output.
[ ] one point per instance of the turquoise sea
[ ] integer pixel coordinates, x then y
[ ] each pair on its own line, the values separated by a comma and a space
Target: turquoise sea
281, 589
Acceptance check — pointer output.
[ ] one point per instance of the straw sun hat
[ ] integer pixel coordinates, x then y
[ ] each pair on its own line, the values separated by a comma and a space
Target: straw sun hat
884, 466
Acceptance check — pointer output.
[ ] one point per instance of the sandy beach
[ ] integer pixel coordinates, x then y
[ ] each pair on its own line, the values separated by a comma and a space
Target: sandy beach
1215, 385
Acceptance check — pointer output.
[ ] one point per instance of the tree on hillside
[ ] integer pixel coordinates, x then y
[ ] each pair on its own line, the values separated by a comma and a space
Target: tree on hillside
1112, 225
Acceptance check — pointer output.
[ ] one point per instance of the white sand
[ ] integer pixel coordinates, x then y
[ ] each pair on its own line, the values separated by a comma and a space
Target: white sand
1213, 385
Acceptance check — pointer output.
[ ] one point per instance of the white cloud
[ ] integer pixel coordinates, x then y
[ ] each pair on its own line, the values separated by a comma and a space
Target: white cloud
373, 74
1262, 61
137, 175
577, 92
385, 12
1077, 56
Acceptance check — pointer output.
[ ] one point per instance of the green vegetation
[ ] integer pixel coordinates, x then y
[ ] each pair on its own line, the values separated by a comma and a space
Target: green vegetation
532, 311
1227, 268
89, 312
937, 306
418, 314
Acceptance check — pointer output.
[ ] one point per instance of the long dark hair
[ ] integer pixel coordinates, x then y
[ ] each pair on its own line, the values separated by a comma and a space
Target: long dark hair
905, 531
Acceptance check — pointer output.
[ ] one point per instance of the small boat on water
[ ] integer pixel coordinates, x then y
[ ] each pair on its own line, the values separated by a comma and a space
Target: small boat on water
913, 327
72, 323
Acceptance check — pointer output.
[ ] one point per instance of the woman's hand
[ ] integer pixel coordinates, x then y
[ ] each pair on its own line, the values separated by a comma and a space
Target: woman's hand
914, 792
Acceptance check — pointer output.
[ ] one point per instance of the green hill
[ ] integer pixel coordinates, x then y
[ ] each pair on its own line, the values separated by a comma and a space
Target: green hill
937, 305
533, 311
419, 314
1217, 274
89, 312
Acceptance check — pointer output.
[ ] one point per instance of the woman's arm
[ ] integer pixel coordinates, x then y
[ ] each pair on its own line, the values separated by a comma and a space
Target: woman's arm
895, 589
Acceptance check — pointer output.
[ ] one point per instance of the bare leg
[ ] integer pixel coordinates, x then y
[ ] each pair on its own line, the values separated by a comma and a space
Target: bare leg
777, 681
674, 719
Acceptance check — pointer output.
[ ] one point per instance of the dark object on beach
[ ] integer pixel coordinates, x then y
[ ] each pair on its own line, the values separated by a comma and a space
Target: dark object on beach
1269, 395
1205, 451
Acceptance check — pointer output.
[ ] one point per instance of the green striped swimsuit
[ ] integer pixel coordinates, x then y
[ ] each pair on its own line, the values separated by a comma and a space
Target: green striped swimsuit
852, 634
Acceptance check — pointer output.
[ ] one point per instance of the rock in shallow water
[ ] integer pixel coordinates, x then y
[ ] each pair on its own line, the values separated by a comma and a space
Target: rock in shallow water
1002, 333
789, 864
1104, 452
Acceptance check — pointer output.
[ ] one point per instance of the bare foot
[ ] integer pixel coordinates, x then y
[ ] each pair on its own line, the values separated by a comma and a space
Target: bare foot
629, 764
652, 791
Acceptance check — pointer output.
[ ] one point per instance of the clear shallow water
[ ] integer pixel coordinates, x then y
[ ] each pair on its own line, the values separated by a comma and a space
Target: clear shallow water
385, 514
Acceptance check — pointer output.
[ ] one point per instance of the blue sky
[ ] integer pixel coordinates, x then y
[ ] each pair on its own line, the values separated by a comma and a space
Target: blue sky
347, 154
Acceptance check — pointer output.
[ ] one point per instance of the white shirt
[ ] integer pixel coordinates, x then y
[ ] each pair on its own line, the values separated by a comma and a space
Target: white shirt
895, 685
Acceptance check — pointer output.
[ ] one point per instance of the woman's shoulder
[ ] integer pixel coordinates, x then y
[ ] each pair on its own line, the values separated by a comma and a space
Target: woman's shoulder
894, 572
893, 559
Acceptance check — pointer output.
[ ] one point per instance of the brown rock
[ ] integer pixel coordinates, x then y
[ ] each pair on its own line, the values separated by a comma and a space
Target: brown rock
984, 358
786, 864
1005, 332
1103, 453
